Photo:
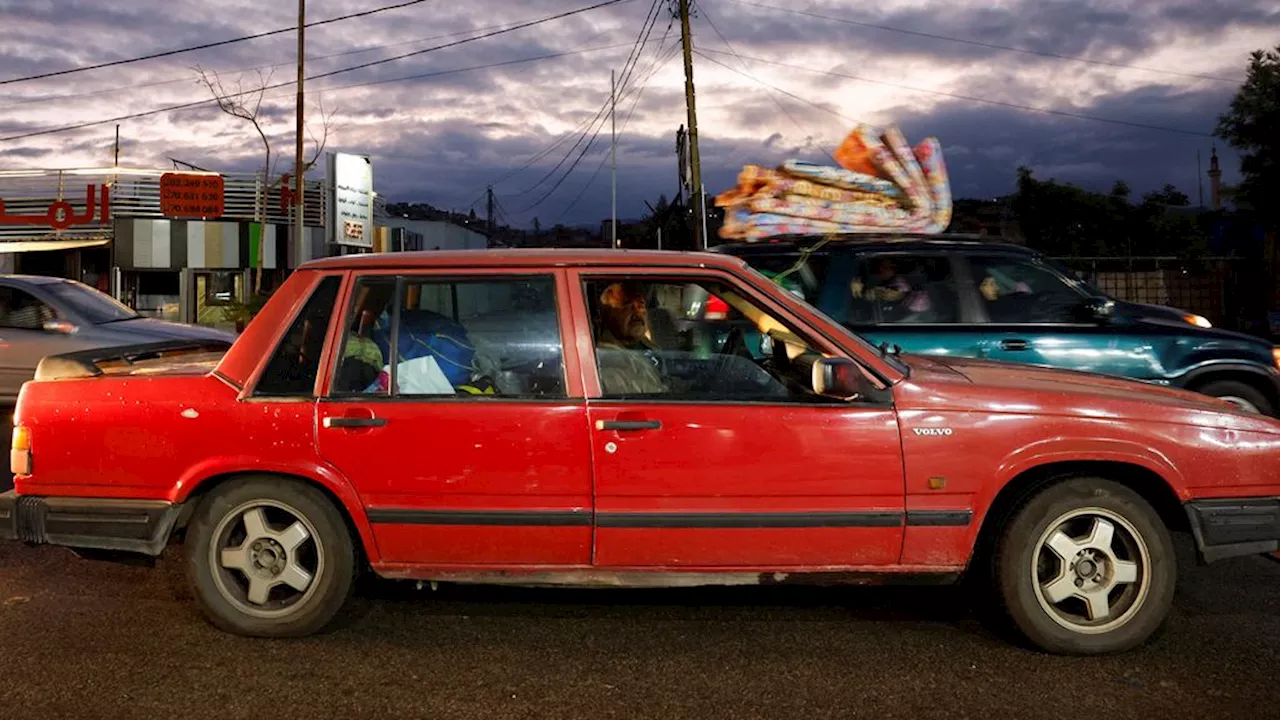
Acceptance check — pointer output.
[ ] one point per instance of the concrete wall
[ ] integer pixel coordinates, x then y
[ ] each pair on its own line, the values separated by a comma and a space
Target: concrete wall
442, 235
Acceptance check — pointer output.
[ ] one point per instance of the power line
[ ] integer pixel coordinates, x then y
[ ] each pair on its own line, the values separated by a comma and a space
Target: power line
766, 85
791, 95
991, 46
650, 18
641, 41
38, 99
198, 103
658, 65
971, 98
206, 46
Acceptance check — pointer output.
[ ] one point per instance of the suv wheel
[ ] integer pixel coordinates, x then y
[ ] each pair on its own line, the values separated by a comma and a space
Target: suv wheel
268, 557
1244, 396
1086, 567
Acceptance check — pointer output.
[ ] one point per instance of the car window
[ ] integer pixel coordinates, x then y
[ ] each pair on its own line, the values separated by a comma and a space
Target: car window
295, 363
21, 310
894, 288
1015, 290
462, 337
95, 307
647, 346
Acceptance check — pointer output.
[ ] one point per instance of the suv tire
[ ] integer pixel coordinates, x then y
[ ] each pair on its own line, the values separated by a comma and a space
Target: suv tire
1240, 394
1085, 567
269, 557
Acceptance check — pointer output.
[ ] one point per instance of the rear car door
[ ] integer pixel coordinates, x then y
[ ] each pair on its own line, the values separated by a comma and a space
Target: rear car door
471, 449
1033, 315
718, 458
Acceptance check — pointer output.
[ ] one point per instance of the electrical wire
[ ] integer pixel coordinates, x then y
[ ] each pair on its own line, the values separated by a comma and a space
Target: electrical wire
198, 103
991, 46
970, 98
206, 46
746, 73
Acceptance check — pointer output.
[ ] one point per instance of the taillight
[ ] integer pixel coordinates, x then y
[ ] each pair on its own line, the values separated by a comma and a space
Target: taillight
20, 451
717, 309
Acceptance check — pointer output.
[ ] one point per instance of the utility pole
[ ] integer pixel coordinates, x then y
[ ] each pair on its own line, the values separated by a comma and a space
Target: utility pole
686, 37
117, 160
489, 208
613, 152
300, 205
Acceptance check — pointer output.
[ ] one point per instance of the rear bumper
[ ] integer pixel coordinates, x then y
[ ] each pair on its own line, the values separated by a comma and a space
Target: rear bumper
1226, 528
139, 526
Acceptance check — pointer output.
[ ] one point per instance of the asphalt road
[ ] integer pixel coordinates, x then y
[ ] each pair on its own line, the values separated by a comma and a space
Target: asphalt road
83, 639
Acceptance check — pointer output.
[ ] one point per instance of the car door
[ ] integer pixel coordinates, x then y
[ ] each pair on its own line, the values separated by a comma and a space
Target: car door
1033, 315
472, 448
24, 340
906, 298
713, 460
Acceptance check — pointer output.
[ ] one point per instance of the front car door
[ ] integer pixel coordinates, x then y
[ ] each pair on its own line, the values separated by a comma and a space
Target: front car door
471, 448
24, 339
719, 459
1035, 315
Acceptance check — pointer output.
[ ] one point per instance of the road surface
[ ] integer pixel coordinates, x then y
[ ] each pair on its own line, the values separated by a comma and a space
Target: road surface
81, 639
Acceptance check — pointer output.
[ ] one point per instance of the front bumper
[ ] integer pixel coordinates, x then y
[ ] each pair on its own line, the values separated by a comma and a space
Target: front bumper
1230, 527
139, 526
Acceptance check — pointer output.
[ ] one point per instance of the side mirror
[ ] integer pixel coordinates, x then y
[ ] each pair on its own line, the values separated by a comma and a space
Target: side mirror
1099, 308
62, 327
840, 378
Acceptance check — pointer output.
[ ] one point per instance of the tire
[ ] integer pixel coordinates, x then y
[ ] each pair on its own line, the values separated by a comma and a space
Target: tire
275, 552
1138, 566
1241, 394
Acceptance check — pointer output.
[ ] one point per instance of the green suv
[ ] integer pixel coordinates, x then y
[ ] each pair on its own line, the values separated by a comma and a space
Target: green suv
948, 295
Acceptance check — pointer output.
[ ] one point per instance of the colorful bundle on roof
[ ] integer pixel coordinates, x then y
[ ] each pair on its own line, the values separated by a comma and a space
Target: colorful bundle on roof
881, 185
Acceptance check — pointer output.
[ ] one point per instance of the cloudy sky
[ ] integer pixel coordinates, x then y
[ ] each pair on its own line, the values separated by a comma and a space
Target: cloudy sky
1160, 65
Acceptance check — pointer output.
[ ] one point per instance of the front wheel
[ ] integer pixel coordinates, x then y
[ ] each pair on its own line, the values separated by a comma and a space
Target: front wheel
1086, 567
269, 557
1243, 396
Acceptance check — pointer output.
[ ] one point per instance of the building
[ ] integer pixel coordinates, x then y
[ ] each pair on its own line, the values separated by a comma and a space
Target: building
432, 235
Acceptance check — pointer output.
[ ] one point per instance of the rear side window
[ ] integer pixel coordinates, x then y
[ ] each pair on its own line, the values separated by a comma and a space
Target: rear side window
293, 367
902, 289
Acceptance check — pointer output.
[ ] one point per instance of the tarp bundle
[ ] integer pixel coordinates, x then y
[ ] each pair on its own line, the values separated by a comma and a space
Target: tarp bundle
881, 185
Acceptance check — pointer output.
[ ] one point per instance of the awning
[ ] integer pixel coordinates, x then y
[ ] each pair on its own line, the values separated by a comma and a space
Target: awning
17, 246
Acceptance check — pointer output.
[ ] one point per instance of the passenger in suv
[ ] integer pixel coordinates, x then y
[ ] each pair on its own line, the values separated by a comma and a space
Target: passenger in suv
961, 297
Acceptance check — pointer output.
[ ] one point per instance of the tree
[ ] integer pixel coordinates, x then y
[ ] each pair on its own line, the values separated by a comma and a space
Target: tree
1252, 126
246, 104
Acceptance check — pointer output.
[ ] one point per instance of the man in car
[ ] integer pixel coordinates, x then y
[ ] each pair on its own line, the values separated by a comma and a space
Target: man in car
623, 343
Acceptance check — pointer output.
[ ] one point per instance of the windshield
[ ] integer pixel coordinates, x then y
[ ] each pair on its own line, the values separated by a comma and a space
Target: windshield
1071, 277
95, 307
896, 362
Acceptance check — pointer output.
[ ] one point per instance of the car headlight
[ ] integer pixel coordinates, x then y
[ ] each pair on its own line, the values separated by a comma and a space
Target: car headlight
1198, 321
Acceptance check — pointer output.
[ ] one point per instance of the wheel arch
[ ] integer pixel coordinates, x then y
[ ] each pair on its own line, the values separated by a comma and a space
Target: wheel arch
1146, 482
192, 491
1249, 375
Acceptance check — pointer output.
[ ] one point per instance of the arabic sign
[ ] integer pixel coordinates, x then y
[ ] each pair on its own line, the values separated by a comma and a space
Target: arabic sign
192, 195
350, 219
61, 214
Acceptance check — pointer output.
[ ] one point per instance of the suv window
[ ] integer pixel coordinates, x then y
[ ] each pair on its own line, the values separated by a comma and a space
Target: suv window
21, 310
463, 337
646, 348
293, 367
1017, 290
894, 288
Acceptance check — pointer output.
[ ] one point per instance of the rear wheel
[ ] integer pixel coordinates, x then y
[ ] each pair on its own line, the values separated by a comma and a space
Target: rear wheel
269, 557
1086, 567
1242, 395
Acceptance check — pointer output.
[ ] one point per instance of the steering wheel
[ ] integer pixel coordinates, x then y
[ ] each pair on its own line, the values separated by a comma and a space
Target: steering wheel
736, 344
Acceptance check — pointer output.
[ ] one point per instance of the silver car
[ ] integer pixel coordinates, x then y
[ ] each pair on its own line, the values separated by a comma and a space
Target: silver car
41, 316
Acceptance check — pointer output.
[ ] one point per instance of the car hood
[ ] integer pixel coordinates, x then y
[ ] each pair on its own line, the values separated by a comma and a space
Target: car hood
963, 383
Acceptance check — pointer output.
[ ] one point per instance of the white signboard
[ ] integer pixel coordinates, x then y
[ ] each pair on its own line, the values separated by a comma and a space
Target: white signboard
350, 219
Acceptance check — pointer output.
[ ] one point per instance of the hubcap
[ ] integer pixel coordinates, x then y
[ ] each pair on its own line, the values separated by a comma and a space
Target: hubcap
1091, 570
266, 558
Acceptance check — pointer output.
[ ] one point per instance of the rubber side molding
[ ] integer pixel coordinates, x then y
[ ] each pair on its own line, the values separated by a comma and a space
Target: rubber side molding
1233, 527
84, 363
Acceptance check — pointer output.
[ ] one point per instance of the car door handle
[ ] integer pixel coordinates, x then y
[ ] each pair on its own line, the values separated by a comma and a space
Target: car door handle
1015, 345
623, 425
354, 422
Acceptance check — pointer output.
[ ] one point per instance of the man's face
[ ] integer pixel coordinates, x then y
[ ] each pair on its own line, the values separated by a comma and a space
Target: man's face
626, 314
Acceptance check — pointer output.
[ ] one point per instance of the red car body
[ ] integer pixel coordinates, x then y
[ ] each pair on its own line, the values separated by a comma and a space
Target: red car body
535, 491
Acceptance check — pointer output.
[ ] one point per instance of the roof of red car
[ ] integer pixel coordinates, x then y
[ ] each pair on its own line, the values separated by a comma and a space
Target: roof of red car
523, 257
